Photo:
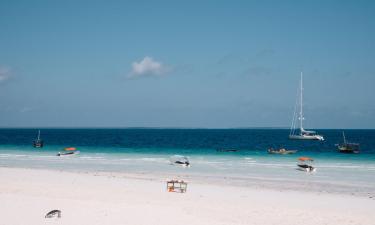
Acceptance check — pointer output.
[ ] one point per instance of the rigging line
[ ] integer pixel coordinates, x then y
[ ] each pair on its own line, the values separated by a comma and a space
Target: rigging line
294, 119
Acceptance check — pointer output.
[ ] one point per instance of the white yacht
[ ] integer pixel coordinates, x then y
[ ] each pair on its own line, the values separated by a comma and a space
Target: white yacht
298, 133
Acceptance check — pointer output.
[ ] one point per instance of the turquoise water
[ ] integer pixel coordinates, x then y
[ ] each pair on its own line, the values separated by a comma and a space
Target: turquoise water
148, 151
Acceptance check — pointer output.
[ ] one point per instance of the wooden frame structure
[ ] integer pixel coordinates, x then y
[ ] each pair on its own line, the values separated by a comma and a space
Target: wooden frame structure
176, 186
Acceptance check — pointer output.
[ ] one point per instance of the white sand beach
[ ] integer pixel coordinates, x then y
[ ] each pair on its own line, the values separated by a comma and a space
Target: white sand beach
26, 195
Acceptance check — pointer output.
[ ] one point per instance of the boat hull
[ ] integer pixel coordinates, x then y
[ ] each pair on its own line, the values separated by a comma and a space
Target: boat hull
348, 151
306, 168
306, 137
61, 154
38, 144
348, 148
285, 152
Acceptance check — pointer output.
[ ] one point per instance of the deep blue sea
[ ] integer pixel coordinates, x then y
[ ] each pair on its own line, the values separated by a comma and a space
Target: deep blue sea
186, 141
148, 151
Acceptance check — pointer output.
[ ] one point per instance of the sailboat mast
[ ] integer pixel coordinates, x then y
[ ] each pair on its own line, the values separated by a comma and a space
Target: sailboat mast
301, 104
343, 134
38, 135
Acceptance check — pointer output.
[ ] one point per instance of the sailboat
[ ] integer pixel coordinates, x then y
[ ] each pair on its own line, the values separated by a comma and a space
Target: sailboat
298, 133
347, 147
38, 143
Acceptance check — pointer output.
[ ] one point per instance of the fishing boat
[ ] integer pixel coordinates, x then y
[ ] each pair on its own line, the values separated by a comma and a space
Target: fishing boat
38, 143
305, 164
180, 160
347, 147
299, 133
68, 152
281, 151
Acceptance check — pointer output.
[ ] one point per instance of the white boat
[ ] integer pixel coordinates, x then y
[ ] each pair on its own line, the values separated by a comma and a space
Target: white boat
298, 133
305, 164
70, 151
180, 160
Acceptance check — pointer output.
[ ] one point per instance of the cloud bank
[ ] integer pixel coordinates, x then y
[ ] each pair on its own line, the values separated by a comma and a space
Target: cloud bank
147, 67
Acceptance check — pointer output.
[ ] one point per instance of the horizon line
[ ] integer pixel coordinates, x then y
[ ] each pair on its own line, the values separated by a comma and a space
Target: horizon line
166, 127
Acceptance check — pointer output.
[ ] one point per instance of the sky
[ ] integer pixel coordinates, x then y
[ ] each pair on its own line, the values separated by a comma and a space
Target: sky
208, 64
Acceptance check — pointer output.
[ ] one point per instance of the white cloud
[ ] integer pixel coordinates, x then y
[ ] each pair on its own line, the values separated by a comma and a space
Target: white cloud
147, 67
4, 73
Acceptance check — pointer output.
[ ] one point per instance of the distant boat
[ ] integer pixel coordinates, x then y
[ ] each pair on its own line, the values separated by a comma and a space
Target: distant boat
300, 133
68, 152
281, 151
347, 147
305, 164
38, 143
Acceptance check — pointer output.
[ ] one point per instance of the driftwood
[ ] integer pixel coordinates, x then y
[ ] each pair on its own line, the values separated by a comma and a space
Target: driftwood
53, 213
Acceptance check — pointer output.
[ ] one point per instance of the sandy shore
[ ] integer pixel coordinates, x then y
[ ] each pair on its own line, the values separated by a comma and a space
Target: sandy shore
26, 195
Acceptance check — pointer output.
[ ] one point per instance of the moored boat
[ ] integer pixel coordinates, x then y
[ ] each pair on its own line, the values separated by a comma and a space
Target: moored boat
305, 164
281, 151
348, 147
68, 152
302, 134
38, 143
180, 160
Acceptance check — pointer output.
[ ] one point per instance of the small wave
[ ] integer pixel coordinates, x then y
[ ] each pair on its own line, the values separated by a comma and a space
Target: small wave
163, 160
12, 155
348, 167
213, 162
92, 158
271, 164
125, 159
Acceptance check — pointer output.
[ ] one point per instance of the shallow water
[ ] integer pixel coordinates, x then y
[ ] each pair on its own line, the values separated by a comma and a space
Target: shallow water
147, 151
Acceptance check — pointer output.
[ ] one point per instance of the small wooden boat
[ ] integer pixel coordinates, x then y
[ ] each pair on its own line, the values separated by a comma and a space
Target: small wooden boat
281, 151
38, 143
68, 152
305, 164
54, 213
347, 147
180, 160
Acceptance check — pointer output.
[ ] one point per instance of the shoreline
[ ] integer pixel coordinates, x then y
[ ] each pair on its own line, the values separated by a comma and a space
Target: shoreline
255, 183
108, 198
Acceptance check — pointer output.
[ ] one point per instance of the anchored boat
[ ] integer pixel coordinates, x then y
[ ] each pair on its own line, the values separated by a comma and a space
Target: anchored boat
281, 151
305, 164
180, 160
300, 133
68, 152
347, 147
38, 143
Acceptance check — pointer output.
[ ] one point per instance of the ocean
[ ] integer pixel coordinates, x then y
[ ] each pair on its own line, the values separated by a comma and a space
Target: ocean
148, 151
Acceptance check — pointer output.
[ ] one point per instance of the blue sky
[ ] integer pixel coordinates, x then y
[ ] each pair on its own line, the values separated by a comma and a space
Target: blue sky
186, 63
